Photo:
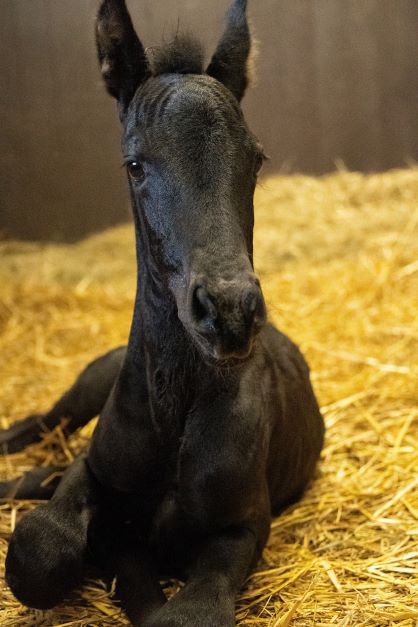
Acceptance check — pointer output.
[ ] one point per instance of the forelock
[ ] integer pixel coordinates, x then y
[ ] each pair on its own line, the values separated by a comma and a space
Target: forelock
183, 55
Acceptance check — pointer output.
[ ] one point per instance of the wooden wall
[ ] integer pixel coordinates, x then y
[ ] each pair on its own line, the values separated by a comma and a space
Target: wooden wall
337, 80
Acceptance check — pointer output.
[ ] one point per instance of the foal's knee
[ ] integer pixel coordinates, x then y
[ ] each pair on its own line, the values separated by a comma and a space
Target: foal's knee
45, 559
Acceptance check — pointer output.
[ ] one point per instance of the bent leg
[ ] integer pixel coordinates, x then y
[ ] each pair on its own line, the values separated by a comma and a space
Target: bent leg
47, 551
51, 547
218, 570
82, 402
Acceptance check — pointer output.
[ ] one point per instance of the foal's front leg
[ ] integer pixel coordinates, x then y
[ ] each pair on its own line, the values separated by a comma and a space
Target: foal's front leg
47, 550
50, 547
137, 587
218, 569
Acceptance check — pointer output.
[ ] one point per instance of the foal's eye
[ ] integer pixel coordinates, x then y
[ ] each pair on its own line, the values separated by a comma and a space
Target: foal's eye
136, 171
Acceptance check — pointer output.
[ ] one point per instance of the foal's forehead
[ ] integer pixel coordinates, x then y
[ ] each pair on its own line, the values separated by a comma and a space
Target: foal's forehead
179, 106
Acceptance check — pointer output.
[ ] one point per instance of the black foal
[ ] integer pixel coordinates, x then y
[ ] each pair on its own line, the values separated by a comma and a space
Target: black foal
208, 422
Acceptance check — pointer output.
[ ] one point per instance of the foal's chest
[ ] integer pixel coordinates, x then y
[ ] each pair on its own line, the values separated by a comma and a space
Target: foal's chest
216, 478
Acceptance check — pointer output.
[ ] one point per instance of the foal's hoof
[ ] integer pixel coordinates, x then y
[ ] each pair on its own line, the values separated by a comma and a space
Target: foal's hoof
44, 560
191, 607
192, 619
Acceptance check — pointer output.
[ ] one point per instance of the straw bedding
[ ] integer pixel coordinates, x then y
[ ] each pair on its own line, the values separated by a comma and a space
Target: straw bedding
339, 261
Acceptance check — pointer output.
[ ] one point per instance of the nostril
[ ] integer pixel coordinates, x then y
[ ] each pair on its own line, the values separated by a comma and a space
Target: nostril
251, 301
203, 307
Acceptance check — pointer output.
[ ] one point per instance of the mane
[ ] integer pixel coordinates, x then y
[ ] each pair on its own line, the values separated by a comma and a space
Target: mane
183, 55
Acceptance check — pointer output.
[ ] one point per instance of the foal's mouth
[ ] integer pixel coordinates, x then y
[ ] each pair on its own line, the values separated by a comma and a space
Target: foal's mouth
215, 356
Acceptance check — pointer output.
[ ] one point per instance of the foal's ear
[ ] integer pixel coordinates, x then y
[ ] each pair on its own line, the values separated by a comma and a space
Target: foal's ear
229, 64
121, 55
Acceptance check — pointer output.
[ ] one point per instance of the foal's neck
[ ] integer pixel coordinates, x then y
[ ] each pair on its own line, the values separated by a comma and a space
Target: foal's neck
157, 336
160, 347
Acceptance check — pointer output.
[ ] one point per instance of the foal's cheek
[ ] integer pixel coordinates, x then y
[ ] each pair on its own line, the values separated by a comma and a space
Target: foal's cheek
163, 231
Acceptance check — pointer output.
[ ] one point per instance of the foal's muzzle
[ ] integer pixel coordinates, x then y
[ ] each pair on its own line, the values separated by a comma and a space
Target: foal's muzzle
226, 315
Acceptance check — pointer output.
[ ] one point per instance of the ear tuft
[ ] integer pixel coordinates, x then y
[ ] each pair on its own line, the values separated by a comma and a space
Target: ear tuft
230, 61
122, 59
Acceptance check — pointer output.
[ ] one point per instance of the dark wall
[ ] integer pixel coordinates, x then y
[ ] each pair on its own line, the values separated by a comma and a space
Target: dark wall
336, 80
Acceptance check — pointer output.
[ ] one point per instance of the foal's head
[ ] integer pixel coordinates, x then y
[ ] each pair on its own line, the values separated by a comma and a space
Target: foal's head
192, 166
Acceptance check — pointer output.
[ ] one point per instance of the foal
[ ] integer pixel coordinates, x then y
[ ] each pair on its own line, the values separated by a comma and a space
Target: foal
208, 422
